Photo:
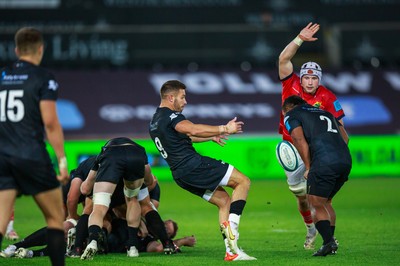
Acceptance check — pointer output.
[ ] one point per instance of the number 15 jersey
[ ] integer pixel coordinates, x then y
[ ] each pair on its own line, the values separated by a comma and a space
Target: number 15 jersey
22, 87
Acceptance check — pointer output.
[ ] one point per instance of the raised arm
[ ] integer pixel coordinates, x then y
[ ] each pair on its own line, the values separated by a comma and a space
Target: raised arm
305, 35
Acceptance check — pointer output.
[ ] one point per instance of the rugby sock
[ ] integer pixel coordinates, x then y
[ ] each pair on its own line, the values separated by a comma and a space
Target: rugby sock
333, 229
40, 252
324, 229
56, 246
10, 226
37, 238
156, 226
1, 240
94, 233
235, 211
81, 230
307, 217
132, 237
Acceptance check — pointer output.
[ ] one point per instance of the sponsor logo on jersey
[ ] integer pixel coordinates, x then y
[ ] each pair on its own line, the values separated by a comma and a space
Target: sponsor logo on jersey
337, 105
13, 77
285, 120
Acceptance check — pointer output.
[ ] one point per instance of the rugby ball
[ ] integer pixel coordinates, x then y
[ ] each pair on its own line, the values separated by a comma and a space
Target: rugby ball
287, 156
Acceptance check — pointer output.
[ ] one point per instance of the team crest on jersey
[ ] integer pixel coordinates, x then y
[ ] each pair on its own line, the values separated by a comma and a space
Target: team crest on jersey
172, 116
53, 85
318, 105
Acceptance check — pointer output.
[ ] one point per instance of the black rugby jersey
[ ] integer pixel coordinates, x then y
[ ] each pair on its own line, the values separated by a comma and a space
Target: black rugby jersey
176, 148
22, 87
321, 130
83, 168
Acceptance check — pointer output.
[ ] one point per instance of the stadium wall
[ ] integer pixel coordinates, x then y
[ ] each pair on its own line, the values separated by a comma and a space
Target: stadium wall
255, 155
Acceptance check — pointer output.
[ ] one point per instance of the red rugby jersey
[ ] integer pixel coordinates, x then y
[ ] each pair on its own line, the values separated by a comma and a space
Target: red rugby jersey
323, 98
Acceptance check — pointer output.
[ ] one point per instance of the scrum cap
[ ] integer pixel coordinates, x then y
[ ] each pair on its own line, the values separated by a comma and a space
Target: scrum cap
311, 68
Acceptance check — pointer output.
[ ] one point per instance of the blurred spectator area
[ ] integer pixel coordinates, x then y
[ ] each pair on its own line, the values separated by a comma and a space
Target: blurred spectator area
159, 34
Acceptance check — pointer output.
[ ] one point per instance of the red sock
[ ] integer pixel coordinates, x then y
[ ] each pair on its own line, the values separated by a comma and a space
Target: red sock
307, 217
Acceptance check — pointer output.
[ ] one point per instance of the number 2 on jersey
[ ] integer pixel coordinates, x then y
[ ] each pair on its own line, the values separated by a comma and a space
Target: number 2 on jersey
15, 109
330, 129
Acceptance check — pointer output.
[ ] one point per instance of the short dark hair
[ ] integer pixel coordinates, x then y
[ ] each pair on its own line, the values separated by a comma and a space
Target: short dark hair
28, 40
171, 86
291, 102
175, 225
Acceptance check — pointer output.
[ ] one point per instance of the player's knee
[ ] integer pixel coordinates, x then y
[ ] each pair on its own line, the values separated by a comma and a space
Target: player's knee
102, 198
143, 193
130, 193
299, 189
245, 182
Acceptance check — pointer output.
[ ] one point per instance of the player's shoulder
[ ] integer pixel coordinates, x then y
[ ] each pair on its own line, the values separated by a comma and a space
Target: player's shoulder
324, 91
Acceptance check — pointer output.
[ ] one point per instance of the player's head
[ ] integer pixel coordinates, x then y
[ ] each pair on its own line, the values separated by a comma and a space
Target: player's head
291, 102
29, 42
171, 227
310, 76
173, 95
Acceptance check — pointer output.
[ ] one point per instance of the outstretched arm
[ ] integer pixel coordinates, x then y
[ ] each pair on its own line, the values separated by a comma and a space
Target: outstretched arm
206, 131
305, 35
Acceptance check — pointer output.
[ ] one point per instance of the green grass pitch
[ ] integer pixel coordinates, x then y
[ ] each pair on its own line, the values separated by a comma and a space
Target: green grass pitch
271, 229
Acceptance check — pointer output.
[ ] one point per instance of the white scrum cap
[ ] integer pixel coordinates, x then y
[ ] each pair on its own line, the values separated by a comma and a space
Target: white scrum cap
311, 68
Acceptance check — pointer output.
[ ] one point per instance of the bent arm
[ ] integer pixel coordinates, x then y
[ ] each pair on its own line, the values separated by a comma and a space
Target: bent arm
148, 176
73, 198
344, 134
301, 145
87, 185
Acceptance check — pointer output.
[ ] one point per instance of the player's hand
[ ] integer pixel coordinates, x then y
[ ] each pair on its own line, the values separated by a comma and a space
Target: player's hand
63, 177
306, 173
220, 140
308, 32
190, 241
234, 127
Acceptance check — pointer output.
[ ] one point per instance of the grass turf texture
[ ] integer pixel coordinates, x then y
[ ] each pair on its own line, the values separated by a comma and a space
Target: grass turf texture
271, 228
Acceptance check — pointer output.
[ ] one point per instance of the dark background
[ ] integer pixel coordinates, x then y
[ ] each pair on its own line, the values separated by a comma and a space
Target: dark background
105, 52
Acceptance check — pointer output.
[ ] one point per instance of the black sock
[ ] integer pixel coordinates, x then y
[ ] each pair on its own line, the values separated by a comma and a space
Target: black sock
82, 232
237, 207
41, 252
333, 229
132, 237
95, 233
1, 240
156, 226
324, 229
37, 238
56, 246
